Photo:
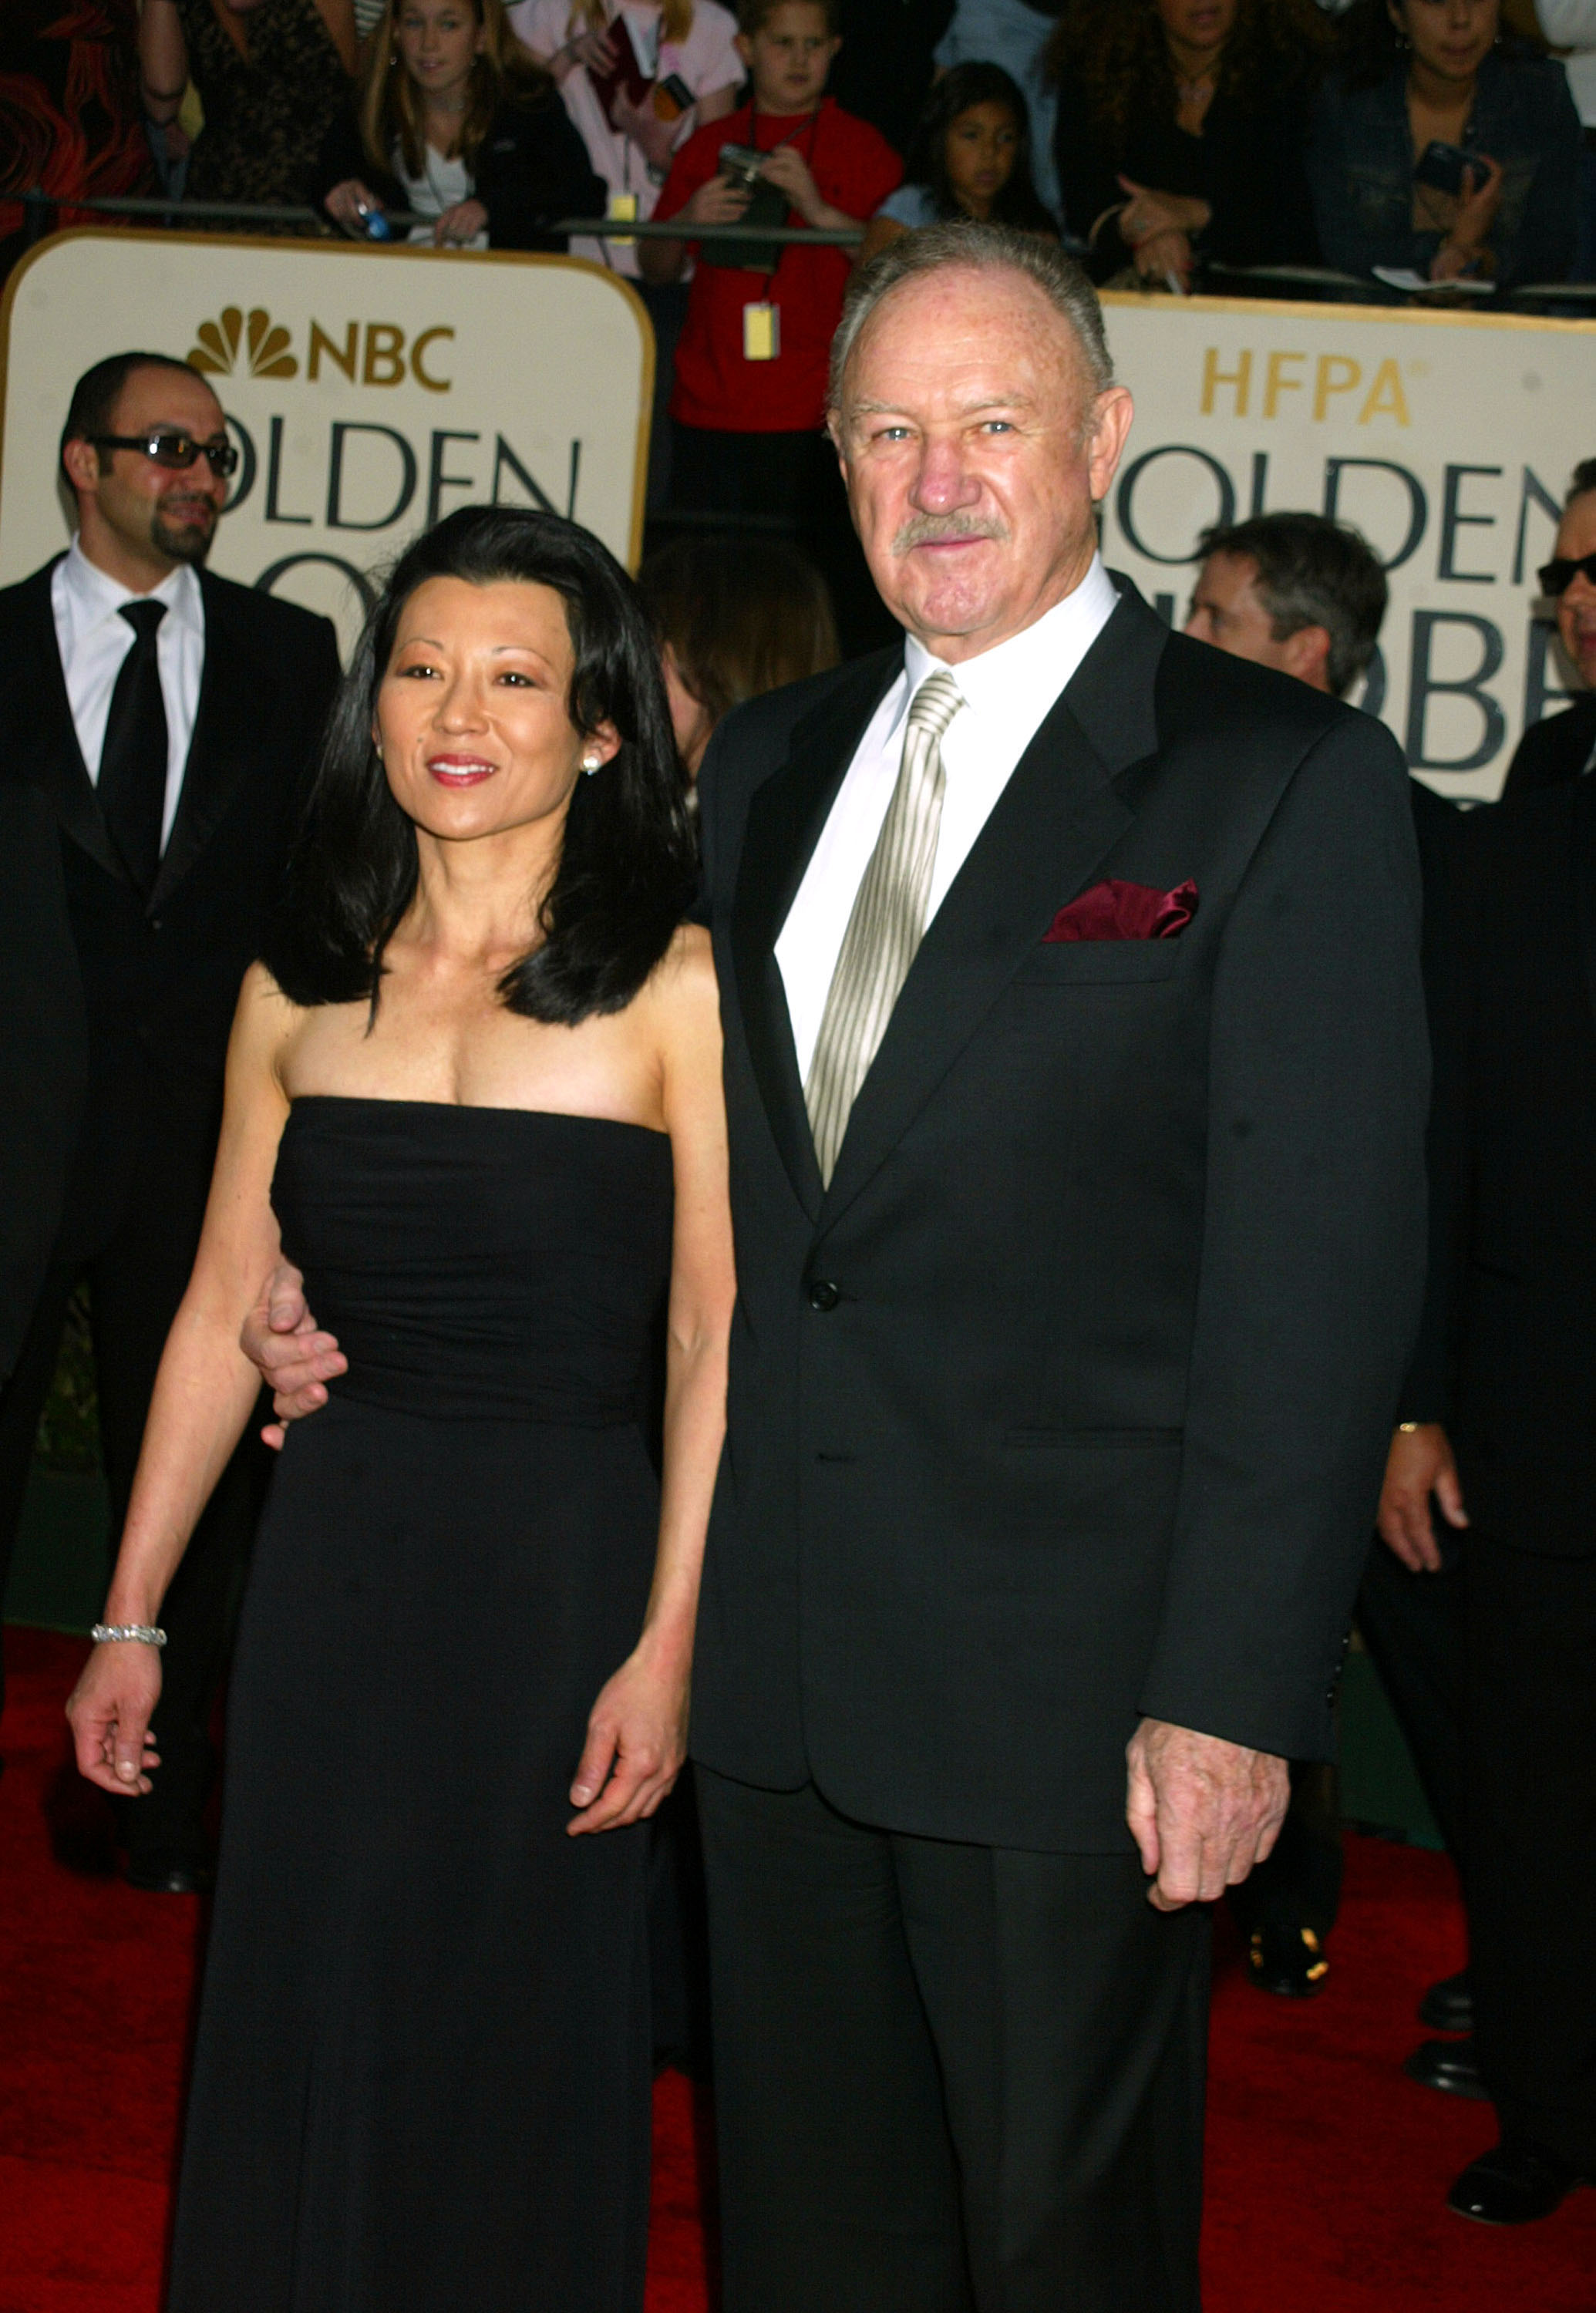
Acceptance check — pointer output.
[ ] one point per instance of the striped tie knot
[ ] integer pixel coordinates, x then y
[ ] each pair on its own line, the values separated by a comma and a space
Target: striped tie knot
934, 705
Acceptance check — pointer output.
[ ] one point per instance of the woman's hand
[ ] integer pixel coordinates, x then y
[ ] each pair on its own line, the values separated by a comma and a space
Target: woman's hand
718, 202
459, 226
1470, 229
590, 48
1164, 256
637, 1739
349, 204
109, 1716
1148, 213
656, 139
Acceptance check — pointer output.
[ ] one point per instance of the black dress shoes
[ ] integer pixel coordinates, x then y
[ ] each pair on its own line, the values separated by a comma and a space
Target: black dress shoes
1449, 2066
1289, 1962
1514, 2184
1448, 2006
169, 1875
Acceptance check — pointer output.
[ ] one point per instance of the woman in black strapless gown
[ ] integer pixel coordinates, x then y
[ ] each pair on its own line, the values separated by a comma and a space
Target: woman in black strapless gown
421, 2083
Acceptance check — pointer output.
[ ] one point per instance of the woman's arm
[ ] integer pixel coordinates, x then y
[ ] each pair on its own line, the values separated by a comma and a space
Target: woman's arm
162, 60
544, 174
204, 1393
637, 1735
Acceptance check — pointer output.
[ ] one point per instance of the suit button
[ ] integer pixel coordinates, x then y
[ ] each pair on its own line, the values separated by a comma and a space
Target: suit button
823, 1294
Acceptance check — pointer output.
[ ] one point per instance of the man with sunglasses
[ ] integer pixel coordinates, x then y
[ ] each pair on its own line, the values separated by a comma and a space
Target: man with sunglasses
1496, 1448
157, 725
1564, 746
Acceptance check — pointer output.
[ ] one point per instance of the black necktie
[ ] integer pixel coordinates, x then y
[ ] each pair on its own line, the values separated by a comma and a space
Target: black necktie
133, 761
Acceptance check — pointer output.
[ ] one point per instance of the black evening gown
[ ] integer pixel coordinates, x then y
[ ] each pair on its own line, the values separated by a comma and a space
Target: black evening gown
421, 2080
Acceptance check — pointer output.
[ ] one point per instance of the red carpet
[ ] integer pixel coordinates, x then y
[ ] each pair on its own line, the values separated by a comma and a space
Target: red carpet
1326, 2167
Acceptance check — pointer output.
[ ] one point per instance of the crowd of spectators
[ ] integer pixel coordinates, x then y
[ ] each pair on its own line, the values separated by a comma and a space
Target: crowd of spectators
1447, 142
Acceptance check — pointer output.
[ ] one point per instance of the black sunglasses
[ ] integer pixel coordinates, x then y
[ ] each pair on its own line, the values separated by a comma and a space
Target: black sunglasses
178, 450
1557, 577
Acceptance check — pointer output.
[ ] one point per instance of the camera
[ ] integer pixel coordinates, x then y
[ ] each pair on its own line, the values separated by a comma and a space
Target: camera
743, 164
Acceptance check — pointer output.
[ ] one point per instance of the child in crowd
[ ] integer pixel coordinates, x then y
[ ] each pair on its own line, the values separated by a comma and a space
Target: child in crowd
971, 158
455, 123
736, 617
638, 77
751, 366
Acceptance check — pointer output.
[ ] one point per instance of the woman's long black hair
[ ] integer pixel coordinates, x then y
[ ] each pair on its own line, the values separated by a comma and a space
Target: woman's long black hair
964, 86
627, 871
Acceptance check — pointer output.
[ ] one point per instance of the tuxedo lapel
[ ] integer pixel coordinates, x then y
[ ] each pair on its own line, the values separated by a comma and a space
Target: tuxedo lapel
1584, 876
1055, 820
223, 748
54, 761
785, 817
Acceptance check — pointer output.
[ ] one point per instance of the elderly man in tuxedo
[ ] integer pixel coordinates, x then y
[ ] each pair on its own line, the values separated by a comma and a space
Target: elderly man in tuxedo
1075, 1073
157, 726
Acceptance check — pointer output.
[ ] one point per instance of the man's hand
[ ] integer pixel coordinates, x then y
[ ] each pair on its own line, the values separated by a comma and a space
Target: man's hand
279, 1337
1202, 1811
109, 1715
1419, 1464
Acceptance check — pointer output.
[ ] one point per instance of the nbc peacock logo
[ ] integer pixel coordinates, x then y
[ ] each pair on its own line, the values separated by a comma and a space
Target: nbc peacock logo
264, 346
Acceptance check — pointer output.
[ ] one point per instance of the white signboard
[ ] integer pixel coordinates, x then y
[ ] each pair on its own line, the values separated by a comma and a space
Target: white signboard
370, 390
1448, 439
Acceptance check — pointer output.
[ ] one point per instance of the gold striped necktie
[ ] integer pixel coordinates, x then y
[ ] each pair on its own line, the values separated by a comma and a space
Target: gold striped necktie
886, 925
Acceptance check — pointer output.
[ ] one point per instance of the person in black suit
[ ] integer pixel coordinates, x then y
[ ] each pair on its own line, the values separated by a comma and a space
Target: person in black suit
1500, 1431
1564, 746
156, 724
1307, 595
1078, 1265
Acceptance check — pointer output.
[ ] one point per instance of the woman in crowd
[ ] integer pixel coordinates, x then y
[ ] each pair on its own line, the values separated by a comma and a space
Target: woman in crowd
474, 1093
271, 74
1499, 202
1180, 131
456, 123
971, 157
734, 617
638, 77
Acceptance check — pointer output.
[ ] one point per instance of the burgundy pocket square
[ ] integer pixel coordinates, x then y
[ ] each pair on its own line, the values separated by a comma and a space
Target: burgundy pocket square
1116, 911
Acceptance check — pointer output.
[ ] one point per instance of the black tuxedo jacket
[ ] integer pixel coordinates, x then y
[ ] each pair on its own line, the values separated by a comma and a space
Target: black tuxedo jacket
124, 1001
1554, 749
1507, 1353
1069, 1400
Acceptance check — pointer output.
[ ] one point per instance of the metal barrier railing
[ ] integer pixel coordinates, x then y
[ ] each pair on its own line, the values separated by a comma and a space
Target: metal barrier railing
39, 203
1317, 280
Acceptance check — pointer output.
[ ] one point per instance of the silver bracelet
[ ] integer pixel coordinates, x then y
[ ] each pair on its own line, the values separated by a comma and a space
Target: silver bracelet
104, 1633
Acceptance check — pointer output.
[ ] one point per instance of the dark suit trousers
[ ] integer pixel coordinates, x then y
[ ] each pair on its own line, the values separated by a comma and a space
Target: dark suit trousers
1413, 1627
137, 1272
948, 2078
1531, 1757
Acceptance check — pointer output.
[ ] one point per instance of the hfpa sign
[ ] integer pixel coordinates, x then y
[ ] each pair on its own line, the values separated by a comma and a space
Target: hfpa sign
1448, 439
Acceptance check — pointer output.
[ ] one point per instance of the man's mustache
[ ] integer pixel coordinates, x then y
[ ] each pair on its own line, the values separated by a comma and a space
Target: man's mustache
932, 529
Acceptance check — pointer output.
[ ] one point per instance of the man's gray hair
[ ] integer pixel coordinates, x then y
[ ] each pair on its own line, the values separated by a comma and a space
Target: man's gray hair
980, 248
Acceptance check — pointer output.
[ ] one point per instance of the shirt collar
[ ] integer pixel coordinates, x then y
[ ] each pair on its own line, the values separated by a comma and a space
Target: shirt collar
1019, 679
94, 594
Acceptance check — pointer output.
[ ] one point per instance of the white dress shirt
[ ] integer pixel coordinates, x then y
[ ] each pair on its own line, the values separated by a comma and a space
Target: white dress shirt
1008, 691
93, 639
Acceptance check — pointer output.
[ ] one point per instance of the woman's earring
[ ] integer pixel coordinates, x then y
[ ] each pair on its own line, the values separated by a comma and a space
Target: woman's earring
590, 764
